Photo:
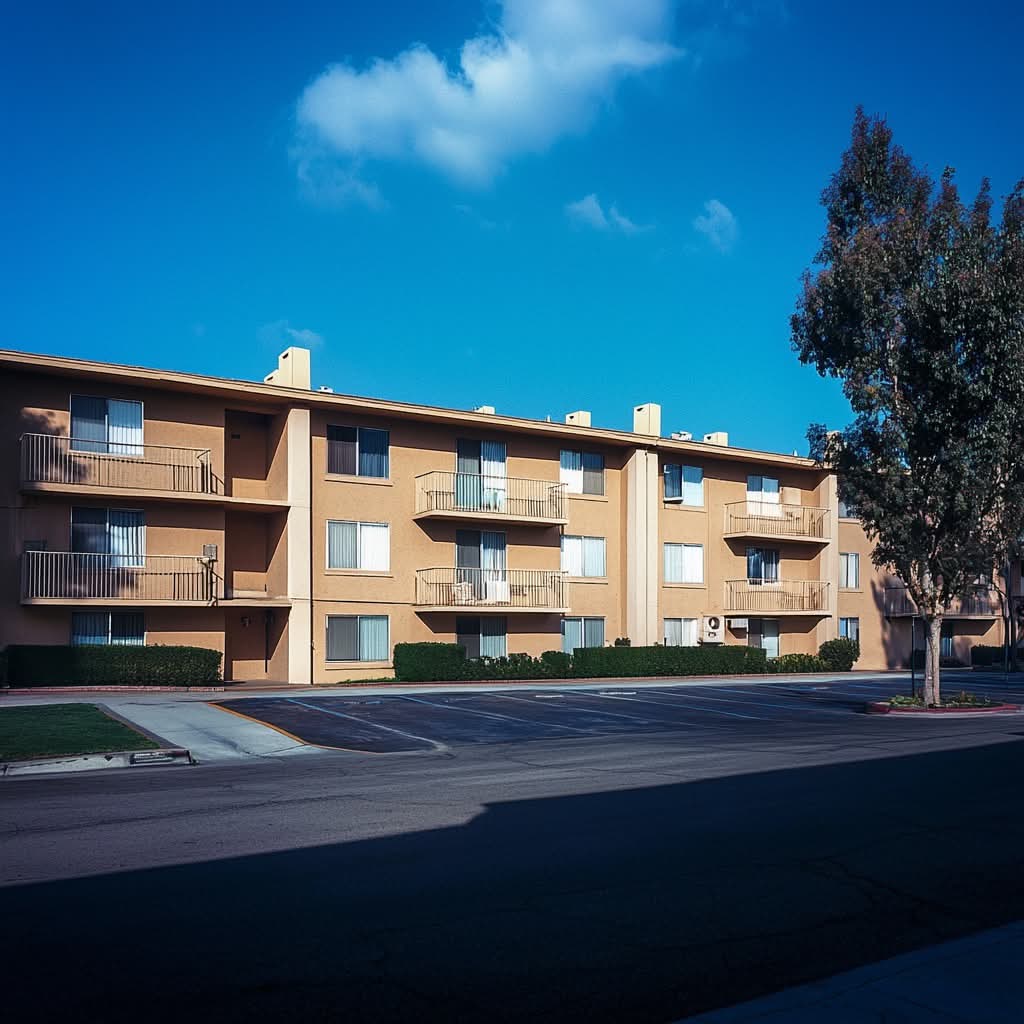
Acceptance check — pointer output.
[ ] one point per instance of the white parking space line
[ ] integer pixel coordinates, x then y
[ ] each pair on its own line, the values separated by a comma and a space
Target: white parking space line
581, 710
491, 714
363, 721
691, 707
796, 705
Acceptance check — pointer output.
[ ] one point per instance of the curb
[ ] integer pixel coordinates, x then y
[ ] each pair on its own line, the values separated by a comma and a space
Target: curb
881, 707
28, 691
93, 762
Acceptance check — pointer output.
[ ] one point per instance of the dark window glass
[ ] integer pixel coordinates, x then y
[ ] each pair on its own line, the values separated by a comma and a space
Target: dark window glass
341, 450
467, 633
373, 452
343, 638
593, 473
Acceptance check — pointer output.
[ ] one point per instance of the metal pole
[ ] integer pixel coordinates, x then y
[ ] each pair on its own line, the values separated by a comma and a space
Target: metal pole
913, 638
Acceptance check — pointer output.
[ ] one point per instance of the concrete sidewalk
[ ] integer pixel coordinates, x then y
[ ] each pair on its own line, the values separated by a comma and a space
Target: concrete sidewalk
977, 979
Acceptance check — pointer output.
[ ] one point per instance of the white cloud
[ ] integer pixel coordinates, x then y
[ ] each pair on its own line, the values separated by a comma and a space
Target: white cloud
718, 224
541, 74
588, 211
281, 333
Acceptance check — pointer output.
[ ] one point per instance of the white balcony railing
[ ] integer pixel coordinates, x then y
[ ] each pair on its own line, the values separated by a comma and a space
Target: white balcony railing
73, 576
763, 597
768, 519
500, 497
54, 459
538, 589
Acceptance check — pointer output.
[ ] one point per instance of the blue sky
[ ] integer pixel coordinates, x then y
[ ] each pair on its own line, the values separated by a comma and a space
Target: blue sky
510, 207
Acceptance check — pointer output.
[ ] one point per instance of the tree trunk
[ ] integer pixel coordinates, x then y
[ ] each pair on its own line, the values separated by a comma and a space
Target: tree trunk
933, 647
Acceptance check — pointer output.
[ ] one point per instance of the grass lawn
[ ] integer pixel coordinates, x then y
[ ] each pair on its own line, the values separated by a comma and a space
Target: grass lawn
55, 730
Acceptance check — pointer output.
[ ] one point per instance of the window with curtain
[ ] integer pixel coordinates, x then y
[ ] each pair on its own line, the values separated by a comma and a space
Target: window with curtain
358, 545
763, 496
357, 638
125, 629
106, 426
482, 636
763, 565
680, 633
684, 563
582, 472
120, 533
585, 631
358, 451
849, 629
849, 570
493, 471
684, 484
583, 556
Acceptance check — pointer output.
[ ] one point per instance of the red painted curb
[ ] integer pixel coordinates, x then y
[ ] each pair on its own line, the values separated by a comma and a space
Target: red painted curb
881, 707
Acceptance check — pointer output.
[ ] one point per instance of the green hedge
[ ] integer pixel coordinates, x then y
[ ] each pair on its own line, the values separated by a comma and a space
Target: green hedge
425, 663
628, 662
797, 663
839, 655
52, 665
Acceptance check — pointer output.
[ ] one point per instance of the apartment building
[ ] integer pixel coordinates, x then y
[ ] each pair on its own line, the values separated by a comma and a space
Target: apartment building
303, 533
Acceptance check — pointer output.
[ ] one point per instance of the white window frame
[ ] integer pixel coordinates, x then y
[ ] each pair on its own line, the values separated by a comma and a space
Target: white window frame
357, 660
582, 620
844, 627
569, 477
583, 574
664, 562
682, 631
681, 498
106, 400
110, 613
359, 546
846, 559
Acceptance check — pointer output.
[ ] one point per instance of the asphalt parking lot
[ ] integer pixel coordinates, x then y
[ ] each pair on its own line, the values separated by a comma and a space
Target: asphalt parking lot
434, 720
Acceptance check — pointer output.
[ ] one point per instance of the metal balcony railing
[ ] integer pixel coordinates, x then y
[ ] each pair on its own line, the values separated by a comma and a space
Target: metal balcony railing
54, 459
73, 576
983, 603
491, 588
767, 519
501, 496
764, 597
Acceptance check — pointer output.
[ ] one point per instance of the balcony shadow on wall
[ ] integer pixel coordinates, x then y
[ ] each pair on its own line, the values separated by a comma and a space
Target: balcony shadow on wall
640, 905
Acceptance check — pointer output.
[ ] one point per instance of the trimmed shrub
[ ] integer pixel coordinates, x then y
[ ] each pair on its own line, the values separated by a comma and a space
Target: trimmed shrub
985, 656
839, 655
557, 664
629, 662
54, 665
797, 663
429, 662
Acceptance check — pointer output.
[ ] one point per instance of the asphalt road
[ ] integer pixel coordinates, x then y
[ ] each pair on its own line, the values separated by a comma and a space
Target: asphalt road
630, 876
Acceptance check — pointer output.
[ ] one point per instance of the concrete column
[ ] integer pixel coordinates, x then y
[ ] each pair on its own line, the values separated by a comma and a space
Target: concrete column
642, 576
300, 518
828, 561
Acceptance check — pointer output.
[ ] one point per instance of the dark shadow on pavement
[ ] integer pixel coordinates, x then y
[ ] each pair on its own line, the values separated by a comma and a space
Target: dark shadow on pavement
638, 905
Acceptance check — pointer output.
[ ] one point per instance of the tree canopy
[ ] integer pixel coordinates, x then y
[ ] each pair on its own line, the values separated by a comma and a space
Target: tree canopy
917, 306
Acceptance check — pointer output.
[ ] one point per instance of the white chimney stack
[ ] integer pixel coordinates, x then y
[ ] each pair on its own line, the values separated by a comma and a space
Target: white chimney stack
719, 437
647, 419
292, 369
580, 418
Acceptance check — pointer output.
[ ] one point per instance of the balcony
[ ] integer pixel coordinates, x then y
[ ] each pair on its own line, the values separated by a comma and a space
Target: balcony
497, 590
984, 603
779, 597
53, 462
64, 577
762, 519
469, 496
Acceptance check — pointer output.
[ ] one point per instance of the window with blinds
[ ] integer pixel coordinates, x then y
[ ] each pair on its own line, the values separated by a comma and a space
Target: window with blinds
106, 426
357, 638
352, 545
582, 472
583, 556
483, 636
684, 484
684, 563
584, 631
849, 570
358, 451
123, 629
117, 532
680, 632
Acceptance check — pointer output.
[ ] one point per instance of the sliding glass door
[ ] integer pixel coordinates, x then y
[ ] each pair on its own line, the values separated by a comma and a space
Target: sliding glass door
481, 475
480, 562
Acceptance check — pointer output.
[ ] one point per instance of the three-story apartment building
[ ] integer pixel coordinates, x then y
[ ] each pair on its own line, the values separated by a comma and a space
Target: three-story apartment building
303, 533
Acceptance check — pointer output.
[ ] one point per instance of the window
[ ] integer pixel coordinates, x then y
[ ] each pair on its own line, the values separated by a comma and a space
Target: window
483, 636
481, 475
684, 563
106, 426
120, 533
583, 556
946, 649
849, 570
845, 512
583, 472
849, 629
764, 633
358, 545
763, 496
121, 629
680, 632
582, 632
358, 451
763, 565
684, 484
357, 638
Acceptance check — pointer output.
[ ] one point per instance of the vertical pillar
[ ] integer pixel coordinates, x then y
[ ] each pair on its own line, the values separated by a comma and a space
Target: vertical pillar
642, 547
300, 513
828, 560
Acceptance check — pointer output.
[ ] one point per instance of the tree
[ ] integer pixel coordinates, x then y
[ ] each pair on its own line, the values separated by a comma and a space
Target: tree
917, 307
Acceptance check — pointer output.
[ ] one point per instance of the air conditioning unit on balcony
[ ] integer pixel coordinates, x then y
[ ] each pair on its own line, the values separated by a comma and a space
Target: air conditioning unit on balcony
738, 625
712, 629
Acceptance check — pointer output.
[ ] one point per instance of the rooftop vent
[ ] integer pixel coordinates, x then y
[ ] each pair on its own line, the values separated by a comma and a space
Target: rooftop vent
580, 418
325, 389
647, 419
719, 437
486, 409
682, 435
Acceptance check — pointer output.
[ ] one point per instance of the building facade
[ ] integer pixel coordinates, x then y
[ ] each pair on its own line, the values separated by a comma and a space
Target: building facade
304, 533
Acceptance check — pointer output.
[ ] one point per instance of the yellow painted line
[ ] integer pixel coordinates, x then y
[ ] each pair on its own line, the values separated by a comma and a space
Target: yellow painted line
285, 732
